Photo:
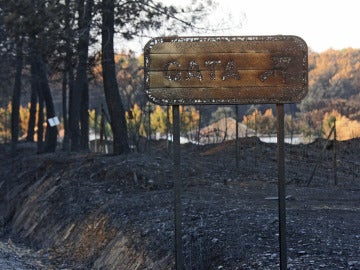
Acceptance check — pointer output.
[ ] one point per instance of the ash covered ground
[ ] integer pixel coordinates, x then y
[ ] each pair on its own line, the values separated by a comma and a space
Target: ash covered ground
96, 211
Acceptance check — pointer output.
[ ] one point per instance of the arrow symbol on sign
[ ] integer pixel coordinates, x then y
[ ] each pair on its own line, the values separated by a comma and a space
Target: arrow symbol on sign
280, 63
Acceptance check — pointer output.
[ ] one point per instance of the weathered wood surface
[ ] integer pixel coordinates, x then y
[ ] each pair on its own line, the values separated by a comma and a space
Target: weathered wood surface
235, 70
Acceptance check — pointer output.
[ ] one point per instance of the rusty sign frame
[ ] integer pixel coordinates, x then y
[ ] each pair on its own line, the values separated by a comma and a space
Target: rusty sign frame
226, 70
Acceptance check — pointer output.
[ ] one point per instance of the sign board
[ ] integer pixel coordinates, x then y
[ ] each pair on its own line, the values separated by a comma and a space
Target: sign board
226, 70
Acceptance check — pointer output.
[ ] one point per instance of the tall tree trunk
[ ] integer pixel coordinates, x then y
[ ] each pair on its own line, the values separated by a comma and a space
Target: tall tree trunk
44, 94
68, 75
34, 95
32, 116
51, 131
15, 114
40, 131
113, 99
84, 118
78, 106
64, 110
68, 82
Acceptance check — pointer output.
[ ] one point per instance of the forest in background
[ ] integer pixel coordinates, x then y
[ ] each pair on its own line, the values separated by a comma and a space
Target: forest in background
48, 57
52, 42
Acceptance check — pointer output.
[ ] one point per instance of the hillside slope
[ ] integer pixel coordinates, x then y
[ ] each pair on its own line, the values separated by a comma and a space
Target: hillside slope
92, 211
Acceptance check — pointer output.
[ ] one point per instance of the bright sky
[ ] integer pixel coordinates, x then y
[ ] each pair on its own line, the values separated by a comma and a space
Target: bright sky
323, 24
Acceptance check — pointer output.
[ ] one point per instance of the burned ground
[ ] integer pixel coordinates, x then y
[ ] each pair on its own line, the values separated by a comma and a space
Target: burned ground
95, 211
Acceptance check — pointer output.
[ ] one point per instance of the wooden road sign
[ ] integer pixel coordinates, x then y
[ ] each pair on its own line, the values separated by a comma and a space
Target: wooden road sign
226, 70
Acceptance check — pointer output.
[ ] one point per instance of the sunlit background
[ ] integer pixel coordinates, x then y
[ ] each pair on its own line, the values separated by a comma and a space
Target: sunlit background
322, 24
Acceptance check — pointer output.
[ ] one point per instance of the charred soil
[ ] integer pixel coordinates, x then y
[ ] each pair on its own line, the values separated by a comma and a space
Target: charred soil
96, 211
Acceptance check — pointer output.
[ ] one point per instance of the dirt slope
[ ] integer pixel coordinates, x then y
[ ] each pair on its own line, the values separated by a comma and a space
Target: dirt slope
92, 211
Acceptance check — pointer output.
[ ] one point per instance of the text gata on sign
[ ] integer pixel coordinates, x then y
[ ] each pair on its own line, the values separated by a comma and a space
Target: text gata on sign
174, 71
234, 70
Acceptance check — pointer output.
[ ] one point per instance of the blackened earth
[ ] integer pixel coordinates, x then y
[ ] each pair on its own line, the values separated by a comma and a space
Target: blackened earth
96, 211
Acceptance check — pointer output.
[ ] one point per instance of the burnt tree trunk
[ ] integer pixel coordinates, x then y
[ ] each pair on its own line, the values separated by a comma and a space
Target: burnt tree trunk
51, 131
34, 94
79, 102
15, 114
83, 61
68, 75
64, 110
84, 118
40, 124
32, 116
112, 95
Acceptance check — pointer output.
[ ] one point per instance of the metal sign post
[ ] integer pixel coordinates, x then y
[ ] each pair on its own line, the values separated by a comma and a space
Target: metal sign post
281, 184
227, 70
177, 189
